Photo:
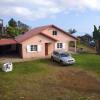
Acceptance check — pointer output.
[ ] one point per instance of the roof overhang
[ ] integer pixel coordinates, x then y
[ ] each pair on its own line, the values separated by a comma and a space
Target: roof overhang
67, 33
48, 36
7, 42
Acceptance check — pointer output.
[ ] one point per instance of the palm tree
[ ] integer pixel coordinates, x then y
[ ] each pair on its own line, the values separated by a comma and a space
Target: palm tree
72, 31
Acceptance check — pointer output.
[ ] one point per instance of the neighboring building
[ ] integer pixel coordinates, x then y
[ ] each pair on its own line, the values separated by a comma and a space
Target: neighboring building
85, 38
41, 41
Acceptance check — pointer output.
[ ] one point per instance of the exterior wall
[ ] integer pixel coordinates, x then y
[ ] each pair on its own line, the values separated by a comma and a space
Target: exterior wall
39, 39
36, 40
51, 48
62, 37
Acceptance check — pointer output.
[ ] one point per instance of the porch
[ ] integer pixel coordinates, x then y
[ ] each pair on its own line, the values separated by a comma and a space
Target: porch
9, 48
72, 48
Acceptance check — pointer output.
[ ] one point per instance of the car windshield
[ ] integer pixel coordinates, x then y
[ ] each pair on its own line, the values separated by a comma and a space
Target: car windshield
64, 55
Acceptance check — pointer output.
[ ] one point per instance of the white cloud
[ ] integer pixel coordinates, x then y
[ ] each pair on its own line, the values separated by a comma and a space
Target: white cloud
37, 9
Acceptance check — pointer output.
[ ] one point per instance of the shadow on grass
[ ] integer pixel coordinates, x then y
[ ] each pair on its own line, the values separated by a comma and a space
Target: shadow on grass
52, 63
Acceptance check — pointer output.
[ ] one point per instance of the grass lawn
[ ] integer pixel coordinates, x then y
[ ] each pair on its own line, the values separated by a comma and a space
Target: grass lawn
89, 62
46, 80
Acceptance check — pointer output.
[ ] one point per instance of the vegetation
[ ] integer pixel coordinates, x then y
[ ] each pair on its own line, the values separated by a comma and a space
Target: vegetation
14, 28
89, 62
22, 27
83, 48
85, 39
96, 36
71, 31
85, 44
46, 80
1, 24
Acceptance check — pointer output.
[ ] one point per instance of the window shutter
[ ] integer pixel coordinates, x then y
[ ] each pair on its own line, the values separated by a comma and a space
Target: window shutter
39, 48
64, 44
28, 48
55, 46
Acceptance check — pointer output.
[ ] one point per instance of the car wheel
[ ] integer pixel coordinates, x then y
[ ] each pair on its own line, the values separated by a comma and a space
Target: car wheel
61, 62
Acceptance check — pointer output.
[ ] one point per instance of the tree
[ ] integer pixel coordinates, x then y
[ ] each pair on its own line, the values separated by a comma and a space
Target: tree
12, 23
16, 28
12, 31
12, 28
1, 26
71, 31
96, 37
22, 27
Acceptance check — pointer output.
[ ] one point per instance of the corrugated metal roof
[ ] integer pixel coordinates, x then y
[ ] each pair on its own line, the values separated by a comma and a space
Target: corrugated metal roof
7, 41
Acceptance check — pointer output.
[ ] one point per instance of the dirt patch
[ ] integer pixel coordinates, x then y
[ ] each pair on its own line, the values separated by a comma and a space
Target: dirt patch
78, 80
72, 80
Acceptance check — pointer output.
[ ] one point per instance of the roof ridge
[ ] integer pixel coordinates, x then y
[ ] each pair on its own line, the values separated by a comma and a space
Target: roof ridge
37, 30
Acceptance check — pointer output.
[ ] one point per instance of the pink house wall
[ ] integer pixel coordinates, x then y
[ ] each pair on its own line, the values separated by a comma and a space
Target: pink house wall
36, 40
40, 39
62, 37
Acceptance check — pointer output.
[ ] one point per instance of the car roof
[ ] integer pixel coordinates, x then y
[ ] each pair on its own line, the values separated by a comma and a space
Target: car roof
60, 51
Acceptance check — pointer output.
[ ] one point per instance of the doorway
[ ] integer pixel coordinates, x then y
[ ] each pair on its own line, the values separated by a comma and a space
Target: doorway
46, 49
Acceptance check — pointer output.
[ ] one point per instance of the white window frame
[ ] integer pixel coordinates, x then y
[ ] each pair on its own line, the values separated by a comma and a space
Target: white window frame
33, 48
62, 45
59, 45
38, 48
54, 32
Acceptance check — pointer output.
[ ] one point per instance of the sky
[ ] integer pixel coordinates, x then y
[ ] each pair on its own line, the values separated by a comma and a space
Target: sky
76, 14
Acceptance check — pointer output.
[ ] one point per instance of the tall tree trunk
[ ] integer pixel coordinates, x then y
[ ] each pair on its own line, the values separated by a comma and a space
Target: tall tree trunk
98, 47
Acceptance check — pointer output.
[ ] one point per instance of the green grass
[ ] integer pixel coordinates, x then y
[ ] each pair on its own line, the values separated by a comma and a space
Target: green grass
13, 85
28, 67
36, 80
89, 62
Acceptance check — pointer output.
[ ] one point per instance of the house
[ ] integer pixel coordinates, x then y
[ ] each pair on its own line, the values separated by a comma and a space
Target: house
85, 38
41, 41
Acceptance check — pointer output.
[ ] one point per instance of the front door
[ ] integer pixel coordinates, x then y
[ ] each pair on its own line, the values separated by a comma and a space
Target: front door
46, 49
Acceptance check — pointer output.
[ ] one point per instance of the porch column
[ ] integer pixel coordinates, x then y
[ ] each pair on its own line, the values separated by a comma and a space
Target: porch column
75, 47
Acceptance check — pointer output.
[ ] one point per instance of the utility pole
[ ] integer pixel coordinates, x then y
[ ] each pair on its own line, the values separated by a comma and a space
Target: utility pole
1, 26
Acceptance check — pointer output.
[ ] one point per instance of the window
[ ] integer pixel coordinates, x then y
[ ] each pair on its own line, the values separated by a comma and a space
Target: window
33, 47
54, 33
59, 45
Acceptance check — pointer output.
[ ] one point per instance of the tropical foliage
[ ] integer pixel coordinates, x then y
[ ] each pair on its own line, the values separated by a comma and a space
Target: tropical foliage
71, 31
96, 37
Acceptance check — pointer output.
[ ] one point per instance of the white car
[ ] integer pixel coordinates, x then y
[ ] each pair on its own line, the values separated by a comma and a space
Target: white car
62, 57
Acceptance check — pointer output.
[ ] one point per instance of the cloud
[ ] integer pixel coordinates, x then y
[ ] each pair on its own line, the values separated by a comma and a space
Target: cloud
37, 9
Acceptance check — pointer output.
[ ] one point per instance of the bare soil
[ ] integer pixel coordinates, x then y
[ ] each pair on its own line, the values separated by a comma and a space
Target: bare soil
55, 83
71, 84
